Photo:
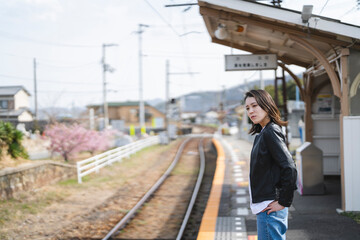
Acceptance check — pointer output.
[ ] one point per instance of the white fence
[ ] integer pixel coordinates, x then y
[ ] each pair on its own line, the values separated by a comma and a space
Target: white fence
93, 164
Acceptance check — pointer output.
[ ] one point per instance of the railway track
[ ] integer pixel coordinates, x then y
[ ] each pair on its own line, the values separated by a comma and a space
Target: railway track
170, 199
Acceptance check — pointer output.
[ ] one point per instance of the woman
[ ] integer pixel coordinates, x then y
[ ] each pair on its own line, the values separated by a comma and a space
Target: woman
272, 170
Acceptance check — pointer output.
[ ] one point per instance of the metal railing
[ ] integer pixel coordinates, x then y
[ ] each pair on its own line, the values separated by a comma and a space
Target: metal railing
99, 161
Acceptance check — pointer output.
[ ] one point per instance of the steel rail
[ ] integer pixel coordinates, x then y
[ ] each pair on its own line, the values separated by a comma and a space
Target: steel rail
195, 192
132, 212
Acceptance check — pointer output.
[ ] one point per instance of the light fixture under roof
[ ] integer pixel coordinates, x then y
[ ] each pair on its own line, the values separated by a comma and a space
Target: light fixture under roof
306, 13
221, 32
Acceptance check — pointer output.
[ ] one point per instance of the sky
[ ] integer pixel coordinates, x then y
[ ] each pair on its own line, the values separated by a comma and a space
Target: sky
66, 37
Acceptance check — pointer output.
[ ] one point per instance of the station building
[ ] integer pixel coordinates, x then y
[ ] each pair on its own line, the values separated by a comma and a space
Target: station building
329, 52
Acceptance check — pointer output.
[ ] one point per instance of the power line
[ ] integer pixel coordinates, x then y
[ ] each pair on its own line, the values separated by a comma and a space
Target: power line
8, 76
323, 7
122, 86
15, 55
352, 9
61, 82
165, 26
42, 80
174, 56
22, 38
49, 60
162, 18
252, 75
172, 28
69, 92
181, 5
81, 92
70, 66
158, 51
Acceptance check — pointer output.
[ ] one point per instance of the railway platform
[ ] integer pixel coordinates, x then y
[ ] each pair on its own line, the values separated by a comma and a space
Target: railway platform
228, 216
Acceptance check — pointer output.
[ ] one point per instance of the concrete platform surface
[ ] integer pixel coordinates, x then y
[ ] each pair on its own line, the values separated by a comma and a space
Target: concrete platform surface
310, 216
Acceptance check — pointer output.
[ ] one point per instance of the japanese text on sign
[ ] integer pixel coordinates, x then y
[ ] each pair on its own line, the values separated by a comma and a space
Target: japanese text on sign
250, 62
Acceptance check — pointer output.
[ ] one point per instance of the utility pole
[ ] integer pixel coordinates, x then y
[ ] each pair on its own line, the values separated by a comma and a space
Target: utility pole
105, 105
35, 92
244, 125
141, 100
167, 100
167, 93
106, 68
223, 97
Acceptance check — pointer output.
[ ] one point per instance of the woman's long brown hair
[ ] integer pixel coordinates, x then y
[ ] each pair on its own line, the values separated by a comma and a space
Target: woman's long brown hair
265, 101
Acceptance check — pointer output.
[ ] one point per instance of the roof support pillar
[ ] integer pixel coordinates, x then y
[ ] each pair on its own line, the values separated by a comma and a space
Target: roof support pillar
345, 111
323, 60
296, 79
308, 98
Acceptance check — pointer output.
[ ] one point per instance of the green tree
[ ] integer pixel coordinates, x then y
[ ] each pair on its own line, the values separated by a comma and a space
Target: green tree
10, 138
290, 91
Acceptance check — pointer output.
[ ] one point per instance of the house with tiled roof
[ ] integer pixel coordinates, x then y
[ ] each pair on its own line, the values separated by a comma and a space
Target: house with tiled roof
14, 104
128, 113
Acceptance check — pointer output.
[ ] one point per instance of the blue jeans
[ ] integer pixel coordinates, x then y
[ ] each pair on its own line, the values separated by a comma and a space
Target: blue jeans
272, 226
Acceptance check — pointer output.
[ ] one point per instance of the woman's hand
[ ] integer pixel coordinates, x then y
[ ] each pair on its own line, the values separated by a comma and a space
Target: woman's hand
273, 207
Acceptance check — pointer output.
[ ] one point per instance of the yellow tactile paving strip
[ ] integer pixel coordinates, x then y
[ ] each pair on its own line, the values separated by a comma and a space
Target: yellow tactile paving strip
208, 222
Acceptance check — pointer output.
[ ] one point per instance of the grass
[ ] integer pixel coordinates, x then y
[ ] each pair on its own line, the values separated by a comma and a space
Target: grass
3, 236
27, 204
68, 182
34, 202
151, 148
4, 214
183, 168
211, 125
139, 222
73, 182
353, 215
124, 211
114, 179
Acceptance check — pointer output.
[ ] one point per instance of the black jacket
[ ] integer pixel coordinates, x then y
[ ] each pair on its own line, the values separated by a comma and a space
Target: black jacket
272, 170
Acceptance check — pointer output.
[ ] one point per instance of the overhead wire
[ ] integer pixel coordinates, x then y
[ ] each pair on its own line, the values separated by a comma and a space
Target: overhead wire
174, 56
162, 18
183, 47
22, 38
43, 80
69, 66
70, 92
323, 7
178, 35
57, 44
352, 9
41, 61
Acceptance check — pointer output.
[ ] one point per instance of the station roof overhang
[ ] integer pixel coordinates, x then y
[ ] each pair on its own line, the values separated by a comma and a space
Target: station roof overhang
259, 28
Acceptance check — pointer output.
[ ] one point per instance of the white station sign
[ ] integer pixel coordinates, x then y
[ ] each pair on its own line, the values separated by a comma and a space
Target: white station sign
250, 62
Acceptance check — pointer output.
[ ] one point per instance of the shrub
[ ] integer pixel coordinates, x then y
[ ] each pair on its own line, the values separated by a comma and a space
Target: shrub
10, 138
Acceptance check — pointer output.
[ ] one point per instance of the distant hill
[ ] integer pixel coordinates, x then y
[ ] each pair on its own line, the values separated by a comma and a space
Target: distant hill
204, 101
154, 102
60, 113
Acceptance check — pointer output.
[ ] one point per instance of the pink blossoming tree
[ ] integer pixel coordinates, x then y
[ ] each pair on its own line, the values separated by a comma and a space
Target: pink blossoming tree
100, 141
70, 140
